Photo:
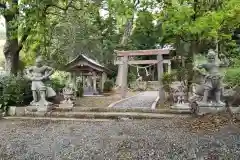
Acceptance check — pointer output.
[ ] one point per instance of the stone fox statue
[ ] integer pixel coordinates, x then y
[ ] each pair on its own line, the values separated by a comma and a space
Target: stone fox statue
213, 79
38, 74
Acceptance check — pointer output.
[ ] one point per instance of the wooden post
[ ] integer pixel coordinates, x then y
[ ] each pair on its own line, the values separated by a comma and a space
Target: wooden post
124, 77
103, 80
160, 74
73, 80
94, 82
153, 72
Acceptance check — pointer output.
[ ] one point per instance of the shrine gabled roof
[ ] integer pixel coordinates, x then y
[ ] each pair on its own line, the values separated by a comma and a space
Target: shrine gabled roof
82, 57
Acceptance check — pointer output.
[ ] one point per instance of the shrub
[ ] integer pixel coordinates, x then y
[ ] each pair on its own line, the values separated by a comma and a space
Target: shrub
56, 85
167, 80
232, 77
108, 85
132, 76
14, 90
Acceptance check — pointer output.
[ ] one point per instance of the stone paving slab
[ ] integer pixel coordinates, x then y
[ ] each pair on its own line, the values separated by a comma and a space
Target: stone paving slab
143, 100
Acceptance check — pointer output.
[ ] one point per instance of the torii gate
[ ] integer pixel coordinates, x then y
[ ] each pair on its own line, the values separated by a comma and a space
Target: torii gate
124, 61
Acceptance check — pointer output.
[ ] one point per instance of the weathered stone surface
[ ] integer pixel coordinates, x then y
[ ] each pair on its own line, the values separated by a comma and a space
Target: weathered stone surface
39, 108
184, 106
12, 111
31, 108
213, 110
211, 87
214, 104
39, 74
20, 111
65, 106
45, 108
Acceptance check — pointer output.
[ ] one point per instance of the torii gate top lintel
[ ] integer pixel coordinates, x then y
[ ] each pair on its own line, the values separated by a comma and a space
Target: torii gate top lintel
142, 52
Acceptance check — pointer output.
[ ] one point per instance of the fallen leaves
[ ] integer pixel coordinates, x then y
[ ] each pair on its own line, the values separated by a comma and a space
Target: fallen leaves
209, 122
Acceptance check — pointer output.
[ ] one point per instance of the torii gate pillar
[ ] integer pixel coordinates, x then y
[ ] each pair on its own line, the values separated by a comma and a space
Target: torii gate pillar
124, 86
160, 75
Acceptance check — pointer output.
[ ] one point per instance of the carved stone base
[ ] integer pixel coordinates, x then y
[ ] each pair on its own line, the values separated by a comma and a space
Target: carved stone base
205, 110
39, 108
32, 108
201, 108
216, 105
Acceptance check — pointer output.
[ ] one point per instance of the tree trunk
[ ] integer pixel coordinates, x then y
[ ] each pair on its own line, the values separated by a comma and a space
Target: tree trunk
11, 47
127, 32
11, 54
189, 66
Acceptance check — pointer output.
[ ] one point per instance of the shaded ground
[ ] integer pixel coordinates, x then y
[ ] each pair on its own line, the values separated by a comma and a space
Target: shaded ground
123, 140
104, 101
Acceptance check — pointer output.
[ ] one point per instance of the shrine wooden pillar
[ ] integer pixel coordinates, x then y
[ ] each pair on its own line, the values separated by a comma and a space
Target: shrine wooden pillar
160, 75
94, 82
124, 85
103, 80
74, 80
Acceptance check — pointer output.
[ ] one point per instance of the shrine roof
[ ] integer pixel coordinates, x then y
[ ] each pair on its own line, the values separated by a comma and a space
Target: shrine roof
82, 61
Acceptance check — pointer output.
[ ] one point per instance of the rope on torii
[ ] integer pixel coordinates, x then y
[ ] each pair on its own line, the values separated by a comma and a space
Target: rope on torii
147, 73
146, 67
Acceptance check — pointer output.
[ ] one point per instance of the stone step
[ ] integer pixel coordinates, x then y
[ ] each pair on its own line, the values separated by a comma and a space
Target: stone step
20, 111
101, 115
135, 109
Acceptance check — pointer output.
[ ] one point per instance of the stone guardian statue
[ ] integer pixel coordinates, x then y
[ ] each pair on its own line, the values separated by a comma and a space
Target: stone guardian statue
212, 84
38, 74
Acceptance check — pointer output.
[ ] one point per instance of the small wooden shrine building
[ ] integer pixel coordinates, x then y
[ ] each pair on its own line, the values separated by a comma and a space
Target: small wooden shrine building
85, 67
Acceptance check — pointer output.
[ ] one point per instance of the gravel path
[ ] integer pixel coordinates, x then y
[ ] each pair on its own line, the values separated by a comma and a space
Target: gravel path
142, 100
113, 140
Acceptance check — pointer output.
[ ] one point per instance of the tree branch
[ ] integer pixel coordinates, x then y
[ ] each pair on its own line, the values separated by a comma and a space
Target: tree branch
44, 12
3, 6
56, 14
183, 39
69, 5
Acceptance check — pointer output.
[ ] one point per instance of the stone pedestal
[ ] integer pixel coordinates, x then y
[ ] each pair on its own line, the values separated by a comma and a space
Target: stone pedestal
41, 108
183, 106
200, 108
12, 111
213, 110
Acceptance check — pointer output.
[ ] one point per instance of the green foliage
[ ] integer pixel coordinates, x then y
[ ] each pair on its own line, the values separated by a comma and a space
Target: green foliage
57, 85
144, 35
205, 20
108, 85
14, 90
232, 77
132, 76
236, 63
167, 80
